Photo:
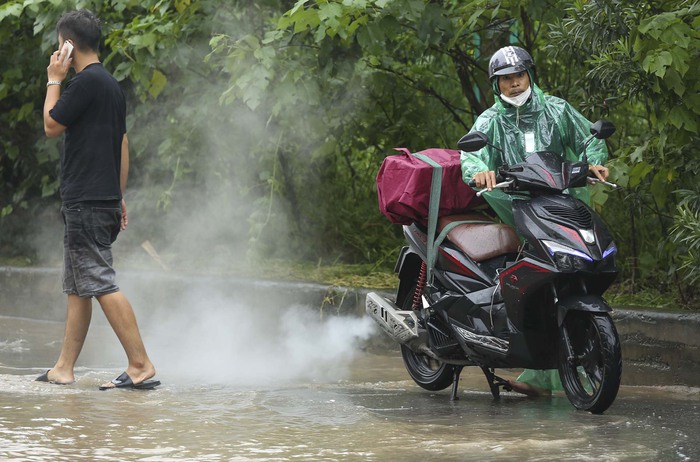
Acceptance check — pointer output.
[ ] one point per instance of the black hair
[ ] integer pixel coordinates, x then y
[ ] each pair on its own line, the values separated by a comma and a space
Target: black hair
81, 27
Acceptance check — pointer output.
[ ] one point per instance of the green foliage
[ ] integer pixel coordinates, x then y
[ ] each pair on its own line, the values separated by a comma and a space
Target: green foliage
686, 233
666, 45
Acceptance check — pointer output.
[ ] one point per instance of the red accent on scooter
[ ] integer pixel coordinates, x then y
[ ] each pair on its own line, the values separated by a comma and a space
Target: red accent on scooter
573, 235
519, 265
464, 270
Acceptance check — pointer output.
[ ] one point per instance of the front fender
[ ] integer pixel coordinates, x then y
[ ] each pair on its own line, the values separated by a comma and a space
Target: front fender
591, 303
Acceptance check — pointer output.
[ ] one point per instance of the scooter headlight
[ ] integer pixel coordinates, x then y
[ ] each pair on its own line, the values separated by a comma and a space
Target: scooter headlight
567, 258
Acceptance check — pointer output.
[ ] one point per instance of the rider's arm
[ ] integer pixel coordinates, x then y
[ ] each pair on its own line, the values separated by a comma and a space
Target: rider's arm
597, 151
480, 165
474, 168
578, 130
473, 162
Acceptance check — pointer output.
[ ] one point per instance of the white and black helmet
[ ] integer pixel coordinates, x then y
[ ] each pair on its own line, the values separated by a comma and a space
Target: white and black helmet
509, 60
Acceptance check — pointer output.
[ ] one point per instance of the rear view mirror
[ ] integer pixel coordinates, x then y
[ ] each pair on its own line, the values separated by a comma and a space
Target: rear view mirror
602, 129
473, 141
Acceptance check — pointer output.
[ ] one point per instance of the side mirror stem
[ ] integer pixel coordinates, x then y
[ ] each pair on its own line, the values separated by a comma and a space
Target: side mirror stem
585, 147
503, 156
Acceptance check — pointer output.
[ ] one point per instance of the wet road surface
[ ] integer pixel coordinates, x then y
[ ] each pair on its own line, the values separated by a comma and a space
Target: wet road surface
368, 409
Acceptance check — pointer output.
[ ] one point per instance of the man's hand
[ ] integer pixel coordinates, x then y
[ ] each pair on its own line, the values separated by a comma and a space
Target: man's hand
485, 180
56, 70
599, 171
125, 219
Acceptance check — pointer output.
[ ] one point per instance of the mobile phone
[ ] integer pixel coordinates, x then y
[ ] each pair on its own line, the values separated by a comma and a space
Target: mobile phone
67, 51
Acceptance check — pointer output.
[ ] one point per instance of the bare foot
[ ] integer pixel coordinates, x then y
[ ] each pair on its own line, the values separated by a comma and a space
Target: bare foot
56, 378
527, 389
136, 376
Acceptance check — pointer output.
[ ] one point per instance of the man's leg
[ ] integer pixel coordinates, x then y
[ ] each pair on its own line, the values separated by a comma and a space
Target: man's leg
121, 317
78, 317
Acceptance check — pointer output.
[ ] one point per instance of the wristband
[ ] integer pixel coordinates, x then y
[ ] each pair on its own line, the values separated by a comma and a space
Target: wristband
53, 82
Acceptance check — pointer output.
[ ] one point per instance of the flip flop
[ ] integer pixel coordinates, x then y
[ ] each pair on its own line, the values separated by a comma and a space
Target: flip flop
124, 381
45, 378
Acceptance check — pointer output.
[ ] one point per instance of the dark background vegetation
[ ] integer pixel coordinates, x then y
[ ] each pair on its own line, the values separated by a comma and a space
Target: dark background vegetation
257, 128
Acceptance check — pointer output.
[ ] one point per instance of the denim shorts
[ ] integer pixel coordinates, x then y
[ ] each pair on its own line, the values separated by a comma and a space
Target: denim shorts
90, 229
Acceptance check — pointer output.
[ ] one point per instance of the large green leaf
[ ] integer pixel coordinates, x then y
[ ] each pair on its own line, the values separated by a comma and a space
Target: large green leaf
158, 83
657, 63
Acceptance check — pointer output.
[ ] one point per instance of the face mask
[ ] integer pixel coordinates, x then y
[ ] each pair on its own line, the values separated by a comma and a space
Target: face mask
519, 100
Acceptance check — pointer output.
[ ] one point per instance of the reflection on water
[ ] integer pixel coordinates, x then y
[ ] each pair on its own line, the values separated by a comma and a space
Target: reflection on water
371, 411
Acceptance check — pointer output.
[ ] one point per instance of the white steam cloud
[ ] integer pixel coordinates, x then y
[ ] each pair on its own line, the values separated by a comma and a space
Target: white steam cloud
211, 339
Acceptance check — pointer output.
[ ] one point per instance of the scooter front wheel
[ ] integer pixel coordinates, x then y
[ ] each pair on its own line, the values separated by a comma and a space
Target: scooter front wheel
590, 360
427, 372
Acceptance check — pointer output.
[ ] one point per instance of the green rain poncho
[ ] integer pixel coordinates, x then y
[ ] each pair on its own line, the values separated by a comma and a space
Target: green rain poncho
544, 123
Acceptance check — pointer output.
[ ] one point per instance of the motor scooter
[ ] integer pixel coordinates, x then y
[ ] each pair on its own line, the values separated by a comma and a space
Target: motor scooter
485, 294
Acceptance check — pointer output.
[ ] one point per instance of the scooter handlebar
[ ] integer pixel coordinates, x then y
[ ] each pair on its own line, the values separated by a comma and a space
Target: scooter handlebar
593, 180
501, 185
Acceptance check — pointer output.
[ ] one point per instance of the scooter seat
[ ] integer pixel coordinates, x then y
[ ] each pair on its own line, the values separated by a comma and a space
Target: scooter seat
480, 241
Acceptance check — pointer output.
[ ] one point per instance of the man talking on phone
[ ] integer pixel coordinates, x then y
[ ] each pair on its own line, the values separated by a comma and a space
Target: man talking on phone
91, 114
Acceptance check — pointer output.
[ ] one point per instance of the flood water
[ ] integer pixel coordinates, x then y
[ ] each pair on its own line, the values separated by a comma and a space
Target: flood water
359, 406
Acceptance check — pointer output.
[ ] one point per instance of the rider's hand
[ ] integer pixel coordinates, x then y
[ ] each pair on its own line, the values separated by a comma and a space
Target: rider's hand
599, 171
485, 180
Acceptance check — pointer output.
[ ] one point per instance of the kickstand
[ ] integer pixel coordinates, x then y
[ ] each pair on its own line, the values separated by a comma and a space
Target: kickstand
455, 382
495, 383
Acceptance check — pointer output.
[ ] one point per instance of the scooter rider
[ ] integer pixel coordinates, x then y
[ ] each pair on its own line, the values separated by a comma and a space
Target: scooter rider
523, 120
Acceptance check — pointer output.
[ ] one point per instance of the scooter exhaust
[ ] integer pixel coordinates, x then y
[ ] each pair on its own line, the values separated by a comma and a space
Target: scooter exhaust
400, 325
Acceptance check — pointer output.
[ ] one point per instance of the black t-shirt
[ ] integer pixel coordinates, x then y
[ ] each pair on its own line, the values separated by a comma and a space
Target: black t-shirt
93, 108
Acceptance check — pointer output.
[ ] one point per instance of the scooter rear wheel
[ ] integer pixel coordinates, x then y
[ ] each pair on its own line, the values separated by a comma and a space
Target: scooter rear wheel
427, 372
591, 369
